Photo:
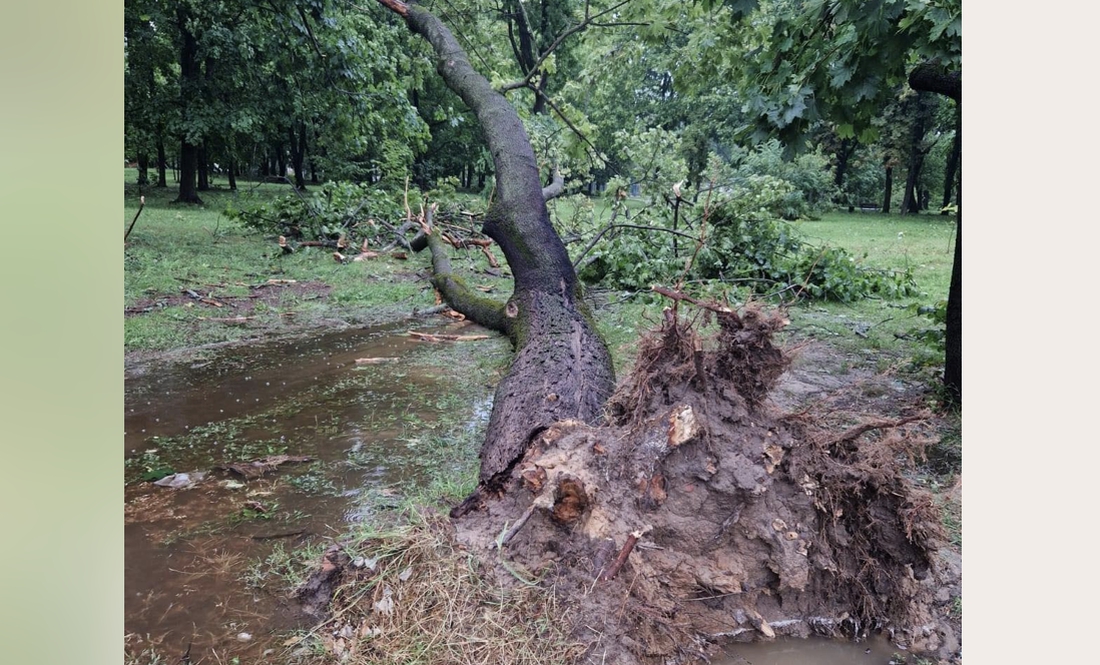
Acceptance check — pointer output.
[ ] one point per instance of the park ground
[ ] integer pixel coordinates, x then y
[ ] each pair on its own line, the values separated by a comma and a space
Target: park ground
197, 283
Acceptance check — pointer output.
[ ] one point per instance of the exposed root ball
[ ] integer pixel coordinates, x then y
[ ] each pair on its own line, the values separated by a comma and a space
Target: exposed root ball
700, 516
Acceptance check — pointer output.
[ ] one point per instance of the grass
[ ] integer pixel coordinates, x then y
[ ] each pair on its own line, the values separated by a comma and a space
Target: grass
419, 598
174, 248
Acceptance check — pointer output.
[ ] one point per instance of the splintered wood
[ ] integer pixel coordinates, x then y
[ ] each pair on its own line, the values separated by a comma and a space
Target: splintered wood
440, 337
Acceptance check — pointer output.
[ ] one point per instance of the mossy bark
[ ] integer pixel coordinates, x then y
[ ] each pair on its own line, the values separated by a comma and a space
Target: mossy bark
562, 368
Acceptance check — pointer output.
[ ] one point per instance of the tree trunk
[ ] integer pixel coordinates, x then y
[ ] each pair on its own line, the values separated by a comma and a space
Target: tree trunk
562, 368
162, 164
280, 161
843, 157
189, 81
232, 170
910, 201
143, 169
889, 189
204, 169
952, 163
298, 153
931, 78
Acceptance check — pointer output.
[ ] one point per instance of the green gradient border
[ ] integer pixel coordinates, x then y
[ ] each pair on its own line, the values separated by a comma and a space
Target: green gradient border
61, 544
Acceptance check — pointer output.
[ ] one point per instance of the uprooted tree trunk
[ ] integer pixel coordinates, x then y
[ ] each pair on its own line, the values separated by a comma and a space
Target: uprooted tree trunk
562, 368
696, 514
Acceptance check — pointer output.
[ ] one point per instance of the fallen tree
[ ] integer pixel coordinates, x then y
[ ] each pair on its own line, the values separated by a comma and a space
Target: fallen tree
663, 518
562, 368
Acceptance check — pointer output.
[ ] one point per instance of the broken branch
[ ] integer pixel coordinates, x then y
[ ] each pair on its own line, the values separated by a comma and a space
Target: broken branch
677, 296
140, 208
624, 554
428, 337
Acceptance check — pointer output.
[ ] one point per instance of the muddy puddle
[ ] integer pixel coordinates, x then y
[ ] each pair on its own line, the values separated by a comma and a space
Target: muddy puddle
877, 650
339, 424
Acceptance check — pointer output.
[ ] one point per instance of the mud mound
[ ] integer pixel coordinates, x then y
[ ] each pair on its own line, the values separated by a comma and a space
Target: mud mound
699, 515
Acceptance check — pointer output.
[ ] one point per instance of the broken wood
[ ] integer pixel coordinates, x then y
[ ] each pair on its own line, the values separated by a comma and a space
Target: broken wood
375, 361
227, 319
429, 337
511, 533
257, 468
857, 431
677, 296
140, 208
624, 554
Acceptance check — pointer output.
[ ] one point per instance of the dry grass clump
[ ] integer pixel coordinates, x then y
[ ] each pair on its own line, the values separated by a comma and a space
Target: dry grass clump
411, 595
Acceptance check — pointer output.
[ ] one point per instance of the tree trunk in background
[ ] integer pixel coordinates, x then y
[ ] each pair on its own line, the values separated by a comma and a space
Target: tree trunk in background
843, 158
143, 169
930, 78
910, 200
232, 174
561, 368
953, 157
189, 79
889, 189
204, 169
298, 153
162, 165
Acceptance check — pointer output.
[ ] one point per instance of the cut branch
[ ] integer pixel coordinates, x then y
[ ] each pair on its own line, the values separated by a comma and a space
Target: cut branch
556, 187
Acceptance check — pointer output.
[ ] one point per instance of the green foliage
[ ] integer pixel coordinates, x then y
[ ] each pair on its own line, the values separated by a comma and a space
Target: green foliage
746, 244
335, 209
807, 177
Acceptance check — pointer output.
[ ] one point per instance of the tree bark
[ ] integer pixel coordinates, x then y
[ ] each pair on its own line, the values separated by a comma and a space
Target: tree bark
298, 153
189, 80
204, 169
162, 164
910, 201
562, 368
143, 169
931, 78
952, 163
889, 189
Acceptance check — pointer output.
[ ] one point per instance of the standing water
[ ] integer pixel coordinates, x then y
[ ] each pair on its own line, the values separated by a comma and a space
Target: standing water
334, 421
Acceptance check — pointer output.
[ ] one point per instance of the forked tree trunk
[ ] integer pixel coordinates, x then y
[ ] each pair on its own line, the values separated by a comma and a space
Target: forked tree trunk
562, 368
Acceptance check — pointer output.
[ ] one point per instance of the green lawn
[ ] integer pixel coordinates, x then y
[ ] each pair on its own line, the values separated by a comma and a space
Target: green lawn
177, 248
174, 248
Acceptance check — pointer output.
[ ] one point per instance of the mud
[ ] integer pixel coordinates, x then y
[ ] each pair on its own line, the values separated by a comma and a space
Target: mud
336, 437
734, 519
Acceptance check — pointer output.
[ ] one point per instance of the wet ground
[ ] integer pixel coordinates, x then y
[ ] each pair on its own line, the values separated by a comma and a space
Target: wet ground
811, 651
207, 563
